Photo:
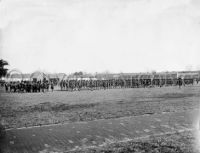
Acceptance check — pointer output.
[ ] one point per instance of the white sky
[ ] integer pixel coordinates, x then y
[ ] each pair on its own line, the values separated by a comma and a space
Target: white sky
100, 35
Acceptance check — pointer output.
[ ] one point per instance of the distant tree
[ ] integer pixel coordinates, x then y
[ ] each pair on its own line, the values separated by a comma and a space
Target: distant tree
3, 70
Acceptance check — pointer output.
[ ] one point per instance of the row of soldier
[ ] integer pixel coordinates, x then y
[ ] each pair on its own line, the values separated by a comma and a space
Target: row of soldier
70, 85
119, 83
29, 86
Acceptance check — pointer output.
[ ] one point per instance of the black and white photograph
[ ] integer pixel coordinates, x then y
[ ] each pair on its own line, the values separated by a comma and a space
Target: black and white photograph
99, 76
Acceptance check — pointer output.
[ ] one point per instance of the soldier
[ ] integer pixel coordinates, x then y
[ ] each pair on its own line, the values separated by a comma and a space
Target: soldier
6, 87
64, 84
179, 82
26, 87
10, 85
15, 87
47, 86
52, 87
104, 85
61, 86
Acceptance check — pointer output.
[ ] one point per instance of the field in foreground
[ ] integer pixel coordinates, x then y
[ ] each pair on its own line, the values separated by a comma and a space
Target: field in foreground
183, 142
30, 109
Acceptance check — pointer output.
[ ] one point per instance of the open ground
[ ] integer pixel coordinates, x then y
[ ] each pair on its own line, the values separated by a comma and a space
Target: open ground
31, 109
18, 110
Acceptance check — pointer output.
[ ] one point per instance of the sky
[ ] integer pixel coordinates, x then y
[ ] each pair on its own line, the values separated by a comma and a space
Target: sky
100, 35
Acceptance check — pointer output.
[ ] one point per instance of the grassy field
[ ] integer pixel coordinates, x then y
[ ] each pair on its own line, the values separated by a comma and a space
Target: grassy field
29, 109
170, 143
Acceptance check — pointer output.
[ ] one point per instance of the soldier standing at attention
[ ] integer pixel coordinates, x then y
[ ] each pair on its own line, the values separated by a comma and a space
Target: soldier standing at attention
179, 82
42, 86
47, 86
52, 87
6, 87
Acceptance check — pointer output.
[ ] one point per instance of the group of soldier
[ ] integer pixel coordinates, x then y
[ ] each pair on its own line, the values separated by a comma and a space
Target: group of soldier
71, 85
29, 86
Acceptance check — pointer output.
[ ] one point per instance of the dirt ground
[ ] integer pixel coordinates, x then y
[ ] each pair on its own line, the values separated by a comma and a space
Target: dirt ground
30, 109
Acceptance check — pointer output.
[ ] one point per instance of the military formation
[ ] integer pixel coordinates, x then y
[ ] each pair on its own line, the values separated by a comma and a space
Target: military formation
29, 86
46, 85
71, 85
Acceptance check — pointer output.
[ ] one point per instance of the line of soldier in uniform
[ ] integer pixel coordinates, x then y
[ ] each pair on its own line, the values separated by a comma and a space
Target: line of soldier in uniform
71, 85
29, 86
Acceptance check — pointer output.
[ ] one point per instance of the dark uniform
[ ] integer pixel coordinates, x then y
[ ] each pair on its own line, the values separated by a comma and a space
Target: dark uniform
179, 82
52, 87
6, 87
